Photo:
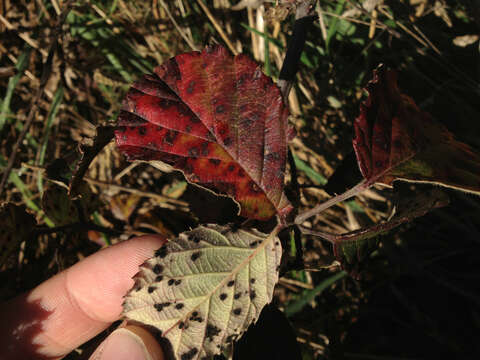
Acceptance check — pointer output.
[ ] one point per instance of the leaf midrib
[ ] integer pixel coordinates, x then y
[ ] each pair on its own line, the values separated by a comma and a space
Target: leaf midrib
255, 252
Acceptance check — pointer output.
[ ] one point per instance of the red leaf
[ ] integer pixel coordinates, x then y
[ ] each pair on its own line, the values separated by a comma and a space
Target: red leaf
395, 140
217, 118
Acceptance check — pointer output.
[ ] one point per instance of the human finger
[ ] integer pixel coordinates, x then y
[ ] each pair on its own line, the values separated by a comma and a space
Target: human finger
129, 343
74, 305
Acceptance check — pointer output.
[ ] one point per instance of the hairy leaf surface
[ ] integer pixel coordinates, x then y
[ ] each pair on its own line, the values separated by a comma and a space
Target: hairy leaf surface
217, 118
395, 140
204, 288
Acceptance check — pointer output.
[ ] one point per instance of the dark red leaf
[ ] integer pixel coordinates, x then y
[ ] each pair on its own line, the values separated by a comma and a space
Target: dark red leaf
217, 118
395, 140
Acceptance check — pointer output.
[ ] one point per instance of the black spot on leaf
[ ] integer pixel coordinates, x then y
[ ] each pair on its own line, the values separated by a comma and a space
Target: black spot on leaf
223, 296
164, 103
230, 283
237, 296
189, 354
151, 289
195, 255
227, 141
170, 137
159, 278
191, 87
194, 119
178, 282
193, 152
194, 237
272, 156
212, 331
214, 162
159, 306
237, 311
179, 306
162, 252
157, 269
170, 282
205, 150
195, 317
252, 280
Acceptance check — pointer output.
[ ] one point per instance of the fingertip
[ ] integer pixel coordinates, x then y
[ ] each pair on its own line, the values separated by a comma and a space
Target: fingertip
129, 343
84, 299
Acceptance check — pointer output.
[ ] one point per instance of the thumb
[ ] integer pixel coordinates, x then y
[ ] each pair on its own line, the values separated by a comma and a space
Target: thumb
129, 343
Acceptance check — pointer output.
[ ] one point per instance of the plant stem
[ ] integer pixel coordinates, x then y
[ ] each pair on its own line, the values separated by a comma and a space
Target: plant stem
330, 237
304, 17
361, 186
103, 136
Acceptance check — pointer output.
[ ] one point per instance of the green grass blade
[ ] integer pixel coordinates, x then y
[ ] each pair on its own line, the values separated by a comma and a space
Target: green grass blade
52, 114
117, 65
333, 24
268, 69
310, 295
311, 174
56, 102
26, 194
303, 58
22, 64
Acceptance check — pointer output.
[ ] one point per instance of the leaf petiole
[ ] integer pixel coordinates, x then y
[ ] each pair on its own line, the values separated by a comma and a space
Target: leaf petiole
361, 186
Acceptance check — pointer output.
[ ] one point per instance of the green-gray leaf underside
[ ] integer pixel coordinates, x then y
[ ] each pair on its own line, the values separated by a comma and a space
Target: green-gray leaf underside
204, 288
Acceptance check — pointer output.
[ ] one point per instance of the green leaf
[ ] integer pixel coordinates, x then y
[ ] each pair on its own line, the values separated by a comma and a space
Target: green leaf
352, 247
309, 295
204, 288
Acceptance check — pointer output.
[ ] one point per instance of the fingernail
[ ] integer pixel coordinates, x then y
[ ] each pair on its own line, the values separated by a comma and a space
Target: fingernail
122, 344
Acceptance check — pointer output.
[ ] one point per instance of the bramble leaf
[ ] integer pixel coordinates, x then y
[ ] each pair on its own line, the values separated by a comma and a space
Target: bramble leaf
205, 287
395, 140
352, 247
217, 118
